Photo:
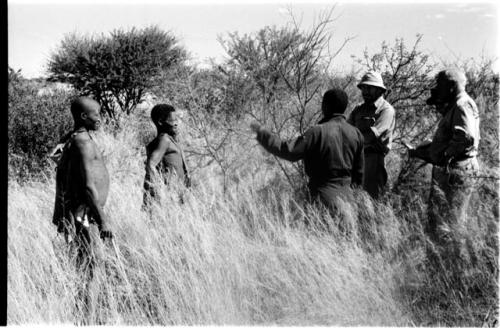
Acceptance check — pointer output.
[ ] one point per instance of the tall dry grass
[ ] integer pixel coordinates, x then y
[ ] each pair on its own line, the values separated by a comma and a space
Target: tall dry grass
243, 256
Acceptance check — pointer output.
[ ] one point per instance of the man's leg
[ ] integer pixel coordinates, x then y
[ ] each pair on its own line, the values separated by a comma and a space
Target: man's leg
337, 200
89, 261
447, 226
438, 208
375, 174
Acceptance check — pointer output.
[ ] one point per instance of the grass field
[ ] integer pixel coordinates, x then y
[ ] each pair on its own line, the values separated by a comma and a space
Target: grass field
245, 256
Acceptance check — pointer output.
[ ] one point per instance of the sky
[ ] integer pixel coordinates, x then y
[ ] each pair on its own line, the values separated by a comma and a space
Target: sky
451, 30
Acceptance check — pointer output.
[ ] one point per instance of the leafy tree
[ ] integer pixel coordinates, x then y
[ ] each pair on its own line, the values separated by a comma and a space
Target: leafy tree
287, 66
117, 70
212, 100
37, 121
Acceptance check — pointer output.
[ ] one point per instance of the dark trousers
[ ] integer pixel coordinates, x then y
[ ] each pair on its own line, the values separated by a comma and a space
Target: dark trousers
331, 199
375, 174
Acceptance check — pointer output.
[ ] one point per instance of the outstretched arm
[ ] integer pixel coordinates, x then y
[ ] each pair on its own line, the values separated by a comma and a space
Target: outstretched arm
421, 151
292, 151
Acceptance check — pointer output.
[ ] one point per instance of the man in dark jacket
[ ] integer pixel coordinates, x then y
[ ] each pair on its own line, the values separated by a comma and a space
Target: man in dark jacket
332, 151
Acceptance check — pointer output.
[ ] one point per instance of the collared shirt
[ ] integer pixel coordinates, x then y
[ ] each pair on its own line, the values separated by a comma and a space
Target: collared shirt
376, 122
332, 152
457, 135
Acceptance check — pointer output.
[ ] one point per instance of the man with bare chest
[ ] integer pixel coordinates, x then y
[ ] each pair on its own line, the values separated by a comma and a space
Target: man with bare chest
82, 180
82, 186
165, 159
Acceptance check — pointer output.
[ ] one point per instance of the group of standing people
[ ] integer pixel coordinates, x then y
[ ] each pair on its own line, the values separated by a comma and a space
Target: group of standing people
338, 153
343, 152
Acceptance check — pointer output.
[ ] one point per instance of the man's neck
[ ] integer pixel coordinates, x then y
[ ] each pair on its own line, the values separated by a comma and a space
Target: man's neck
80, 128
375, 102
160, 131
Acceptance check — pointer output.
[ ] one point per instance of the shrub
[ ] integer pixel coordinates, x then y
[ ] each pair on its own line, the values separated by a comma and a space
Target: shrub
118, 69
37, 121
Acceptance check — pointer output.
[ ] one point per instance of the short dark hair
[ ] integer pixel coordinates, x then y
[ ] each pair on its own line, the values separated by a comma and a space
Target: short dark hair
335, 101
160, 111
78, 105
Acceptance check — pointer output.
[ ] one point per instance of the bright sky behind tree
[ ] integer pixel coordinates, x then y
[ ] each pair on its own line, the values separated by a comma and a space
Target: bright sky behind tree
451, 30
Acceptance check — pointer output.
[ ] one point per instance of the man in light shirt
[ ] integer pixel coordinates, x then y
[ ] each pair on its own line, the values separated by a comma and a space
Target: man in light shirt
453, 152
375, 118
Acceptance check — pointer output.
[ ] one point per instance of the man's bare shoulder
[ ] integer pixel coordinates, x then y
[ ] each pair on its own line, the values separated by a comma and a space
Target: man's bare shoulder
164, 140
83, 143
81, 137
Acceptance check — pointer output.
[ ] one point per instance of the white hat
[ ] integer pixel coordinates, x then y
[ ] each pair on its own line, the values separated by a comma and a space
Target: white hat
372, 78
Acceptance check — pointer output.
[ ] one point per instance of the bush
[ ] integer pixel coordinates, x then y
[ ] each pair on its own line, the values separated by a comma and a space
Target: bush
118, 69
37, 121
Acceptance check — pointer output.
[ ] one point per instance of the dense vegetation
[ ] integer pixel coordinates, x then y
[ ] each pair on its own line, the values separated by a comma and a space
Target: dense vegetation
237, 250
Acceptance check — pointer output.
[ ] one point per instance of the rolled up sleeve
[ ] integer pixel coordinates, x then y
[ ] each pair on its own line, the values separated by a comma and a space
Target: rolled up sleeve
384, 122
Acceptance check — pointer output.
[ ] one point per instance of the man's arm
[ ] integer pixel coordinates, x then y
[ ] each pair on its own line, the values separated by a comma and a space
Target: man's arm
381, 126
422, 151
156, 155
88, 170
292, 151
462, 128
154, 158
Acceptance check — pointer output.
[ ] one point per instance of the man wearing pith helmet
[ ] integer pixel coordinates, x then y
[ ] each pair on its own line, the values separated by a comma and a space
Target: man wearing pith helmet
375, 118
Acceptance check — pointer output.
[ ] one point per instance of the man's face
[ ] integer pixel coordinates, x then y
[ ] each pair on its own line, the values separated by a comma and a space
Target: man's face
169, 123
442, 91
91, 116
441, 94
370, 93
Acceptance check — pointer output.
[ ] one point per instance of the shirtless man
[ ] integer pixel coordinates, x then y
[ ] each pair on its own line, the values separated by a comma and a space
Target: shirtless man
82, 181
82, 185
164, 155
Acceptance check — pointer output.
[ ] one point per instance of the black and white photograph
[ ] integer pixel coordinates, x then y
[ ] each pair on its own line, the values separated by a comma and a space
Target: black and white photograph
253, 163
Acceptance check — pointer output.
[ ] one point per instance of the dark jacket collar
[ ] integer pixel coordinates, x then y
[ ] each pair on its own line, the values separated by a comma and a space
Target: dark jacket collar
334, 116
